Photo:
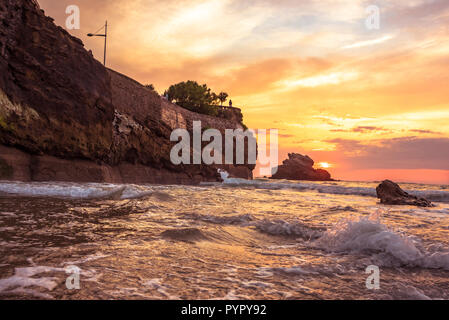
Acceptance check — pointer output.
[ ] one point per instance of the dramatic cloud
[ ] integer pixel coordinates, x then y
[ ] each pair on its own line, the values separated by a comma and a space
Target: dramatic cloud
400, 153
368, 42
334, 88
363, 129
424, 131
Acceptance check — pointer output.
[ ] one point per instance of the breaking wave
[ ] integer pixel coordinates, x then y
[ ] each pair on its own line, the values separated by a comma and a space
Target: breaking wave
432, 195
76, 190
272, 227
369, 236
132, 191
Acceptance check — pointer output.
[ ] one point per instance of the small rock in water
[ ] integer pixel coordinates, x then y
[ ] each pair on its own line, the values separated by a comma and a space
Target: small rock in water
391, 193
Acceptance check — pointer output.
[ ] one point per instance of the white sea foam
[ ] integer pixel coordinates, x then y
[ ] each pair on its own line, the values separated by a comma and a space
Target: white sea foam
23, 278
224, 174
69, 190
368, 235
75, 190
131, 191
407, 292
432, 195
272, 227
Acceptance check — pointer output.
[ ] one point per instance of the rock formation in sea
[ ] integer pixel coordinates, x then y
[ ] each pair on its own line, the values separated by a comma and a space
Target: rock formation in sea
299, 167
65, 117
391, 193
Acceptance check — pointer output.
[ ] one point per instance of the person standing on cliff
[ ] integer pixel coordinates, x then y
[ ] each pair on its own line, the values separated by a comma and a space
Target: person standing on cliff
230, 103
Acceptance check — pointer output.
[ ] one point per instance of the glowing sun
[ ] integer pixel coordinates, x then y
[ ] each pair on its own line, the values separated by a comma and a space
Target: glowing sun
325, 165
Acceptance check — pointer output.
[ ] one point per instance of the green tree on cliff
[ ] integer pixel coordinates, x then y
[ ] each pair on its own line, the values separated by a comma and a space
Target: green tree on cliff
222, 96
194, 97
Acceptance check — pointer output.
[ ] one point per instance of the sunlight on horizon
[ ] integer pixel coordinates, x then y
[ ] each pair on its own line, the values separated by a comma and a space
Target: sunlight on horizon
325, 165
333, 88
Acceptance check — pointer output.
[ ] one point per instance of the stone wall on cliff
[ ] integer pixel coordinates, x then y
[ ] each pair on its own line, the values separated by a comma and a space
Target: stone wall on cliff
63, 116
144, 122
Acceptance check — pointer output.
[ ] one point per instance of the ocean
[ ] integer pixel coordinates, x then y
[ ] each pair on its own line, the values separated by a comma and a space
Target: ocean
239, 239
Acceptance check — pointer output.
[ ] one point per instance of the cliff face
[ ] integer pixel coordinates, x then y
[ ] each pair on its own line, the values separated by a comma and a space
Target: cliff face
299, 167
65, 117
55, 98
143, 124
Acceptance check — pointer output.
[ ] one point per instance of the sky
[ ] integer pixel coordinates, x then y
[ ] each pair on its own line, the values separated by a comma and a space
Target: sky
371, 103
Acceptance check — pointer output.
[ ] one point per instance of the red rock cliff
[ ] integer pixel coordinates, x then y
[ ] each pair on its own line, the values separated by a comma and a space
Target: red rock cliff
55, 98
65, 117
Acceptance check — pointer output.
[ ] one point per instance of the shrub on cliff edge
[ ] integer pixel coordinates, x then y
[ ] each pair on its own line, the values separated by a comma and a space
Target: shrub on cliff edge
194, 97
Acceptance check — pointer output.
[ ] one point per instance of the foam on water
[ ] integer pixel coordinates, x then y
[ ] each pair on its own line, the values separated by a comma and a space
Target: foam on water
75, 190
432, 195
131, 191
258, 239
224, 174
406, 292
367, 235
24, 278
328, 188
276, 227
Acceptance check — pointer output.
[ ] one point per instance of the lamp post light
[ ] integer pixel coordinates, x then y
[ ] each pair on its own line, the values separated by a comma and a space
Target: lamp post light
105, 35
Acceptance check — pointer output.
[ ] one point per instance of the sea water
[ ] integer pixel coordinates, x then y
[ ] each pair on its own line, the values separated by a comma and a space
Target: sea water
239, 239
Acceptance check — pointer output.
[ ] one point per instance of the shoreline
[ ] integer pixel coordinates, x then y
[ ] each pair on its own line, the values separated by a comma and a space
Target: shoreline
135, 190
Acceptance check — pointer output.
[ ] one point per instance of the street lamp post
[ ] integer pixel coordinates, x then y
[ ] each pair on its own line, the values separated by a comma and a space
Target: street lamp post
105, 35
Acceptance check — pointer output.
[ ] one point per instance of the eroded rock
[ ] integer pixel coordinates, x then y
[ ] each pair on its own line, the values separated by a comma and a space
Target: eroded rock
299, 167
391, 193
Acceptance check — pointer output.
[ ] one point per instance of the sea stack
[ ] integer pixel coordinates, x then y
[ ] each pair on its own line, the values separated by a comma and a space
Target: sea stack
391, 193
299, 167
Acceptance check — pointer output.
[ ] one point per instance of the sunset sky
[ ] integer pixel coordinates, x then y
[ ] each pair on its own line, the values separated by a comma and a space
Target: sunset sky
374, 104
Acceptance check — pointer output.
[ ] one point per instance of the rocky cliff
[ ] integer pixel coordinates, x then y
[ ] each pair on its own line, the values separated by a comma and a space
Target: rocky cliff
65, 117
299, 167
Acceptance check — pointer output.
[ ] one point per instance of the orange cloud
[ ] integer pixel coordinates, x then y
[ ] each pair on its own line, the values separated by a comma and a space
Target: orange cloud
309, 68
